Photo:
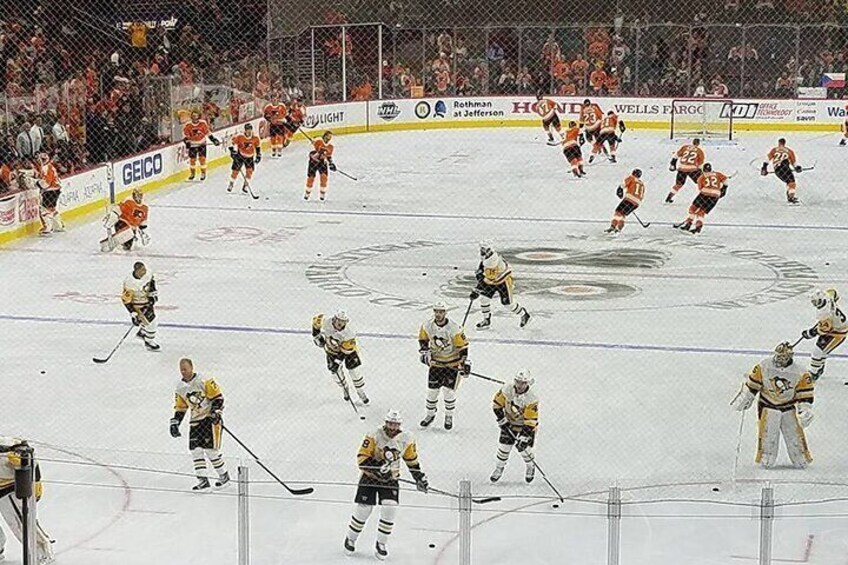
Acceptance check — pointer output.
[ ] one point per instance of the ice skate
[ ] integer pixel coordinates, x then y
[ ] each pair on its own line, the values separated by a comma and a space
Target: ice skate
202, 484
349, 546
380, 551
484, 323
428, 419
525, 317
448, 421
530, 473
497, 474
222, 482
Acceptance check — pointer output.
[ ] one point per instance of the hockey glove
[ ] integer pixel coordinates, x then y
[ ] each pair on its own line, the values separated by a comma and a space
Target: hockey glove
621, 126
503, 423
175, 429
135, 319
421, 483
744, 399
186, 143
723, 191
810, 333
804, 413
258, 158
332, 166
475, 294
764, 169
522, 443
319, 340
798, 168
233, 153
464, 368
425, 356
672, 166
142, 235
215, 141
619, 192
215, 416
581, 139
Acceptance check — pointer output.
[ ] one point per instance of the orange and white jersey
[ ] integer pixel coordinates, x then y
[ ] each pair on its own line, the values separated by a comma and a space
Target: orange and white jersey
591, 116
196, 133
297, 112
321, 150
689, 158
49, 178
132, 213
609, 123
571, 138
546, 108
634, 190
246, 146
780, 154
275, 113
709, 184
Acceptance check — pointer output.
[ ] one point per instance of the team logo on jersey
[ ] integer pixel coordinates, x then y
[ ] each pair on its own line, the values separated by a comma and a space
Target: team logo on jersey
781, 385
195, 398
441, 343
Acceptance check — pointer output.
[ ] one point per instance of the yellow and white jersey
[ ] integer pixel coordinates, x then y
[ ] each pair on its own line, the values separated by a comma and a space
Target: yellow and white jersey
372, 452
520, 409
831, 319
495, 270
197, 395
335, 341
10, 461
446, 343
136, 291
780, 386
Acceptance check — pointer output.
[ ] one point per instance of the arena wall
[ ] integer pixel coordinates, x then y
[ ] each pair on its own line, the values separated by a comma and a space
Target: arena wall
89, 192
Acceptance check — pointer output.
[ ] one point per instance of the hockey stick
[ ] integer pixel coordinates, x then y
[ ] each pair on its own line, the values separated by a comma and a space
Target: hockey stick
446, 493
306, 135
341, 172
247, 184
641, 223
484, 377
343, 382
803, 169
294, 491
797, 341
738, 446
105, 359
467, 311
541, 472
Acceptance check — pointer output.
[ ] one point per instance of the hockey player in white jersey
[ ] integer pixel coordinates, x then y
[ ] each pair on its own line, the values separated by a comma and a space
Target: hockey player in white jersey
379, 460
494, 276
443, 347
139, 297
203, 398
10, 505
338, 340
785, 392
516, 409
830, 330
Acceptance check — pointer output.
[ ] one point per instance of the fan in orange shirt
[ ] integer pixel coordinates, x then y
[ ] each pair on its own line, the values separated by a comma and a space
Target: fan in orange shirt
275, 114
195, 133
712, 185
631, 192
245, 151
125, 223
320, 159
571, 149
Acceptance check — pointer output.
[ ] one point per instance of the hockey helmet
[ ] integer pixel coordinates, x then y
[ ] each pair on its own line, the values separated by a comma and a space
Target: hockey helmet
392, 423
783, 354
707, 167
818, 298
523, 378
340, 319
637, 173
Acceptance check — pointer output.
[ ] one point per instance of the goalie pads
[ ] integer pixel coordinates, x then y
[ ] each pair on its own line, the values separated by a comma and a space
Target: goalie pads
124, 235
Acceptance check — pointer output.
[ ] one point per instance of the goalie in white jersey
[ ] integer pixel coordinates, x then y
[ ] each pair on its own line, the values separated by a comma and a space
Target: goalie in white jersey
10, 505
139, 297
516, 409
443, 347
379, 460
830, 329
785, 393
494, 276
338, 340
203, 397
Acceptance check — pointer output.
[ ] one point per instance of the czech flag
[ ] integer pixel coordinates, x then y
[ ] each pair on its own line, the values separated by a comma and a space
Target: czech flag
833, 80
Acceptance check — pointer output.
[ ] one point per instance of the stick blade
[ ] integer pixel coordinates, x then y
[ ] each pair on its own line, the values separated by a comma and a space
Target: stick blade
301, 491
486, 500
98, 360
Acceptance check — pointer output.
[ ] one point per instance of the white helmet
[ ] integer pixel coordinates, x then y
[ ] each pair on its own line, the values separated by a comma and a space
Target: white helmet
393, 417
440, 305
523, 377
486, 248
341, 315
818, 298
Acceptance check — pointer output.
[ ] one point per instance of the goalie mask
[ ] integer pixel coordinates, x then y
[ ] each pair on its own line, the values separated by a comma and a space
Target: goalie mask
783, 354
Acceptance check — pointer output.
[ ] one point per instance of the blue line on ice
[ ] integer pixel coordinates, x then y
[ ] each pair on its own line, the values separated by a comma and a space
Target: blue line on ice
407, 337
426, 215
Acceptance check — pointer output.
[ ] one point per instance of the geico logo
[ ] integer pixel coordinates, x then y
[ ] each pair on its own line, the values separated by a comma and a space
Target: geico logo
141, 169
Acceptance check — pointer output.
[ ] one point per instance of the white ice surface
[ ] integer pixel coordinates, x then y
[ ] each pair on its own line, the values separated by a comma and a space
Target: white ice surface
634, 388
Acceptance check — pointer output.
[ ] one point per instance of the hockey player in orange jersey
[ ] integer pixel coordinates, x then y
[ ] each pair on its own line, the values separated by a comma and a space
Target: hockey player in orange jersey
632, 192
547, 109
712, 186
687, 162
195, 133
782, 160
126, 223
571, 149
320, 159
608, 136
275, 114
294, 120
51, 187
245, 151
590, 120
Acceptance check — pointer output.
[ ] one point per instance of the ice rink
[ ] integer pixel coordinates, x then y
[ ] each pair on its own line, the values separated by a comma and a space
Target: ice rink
638, 343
